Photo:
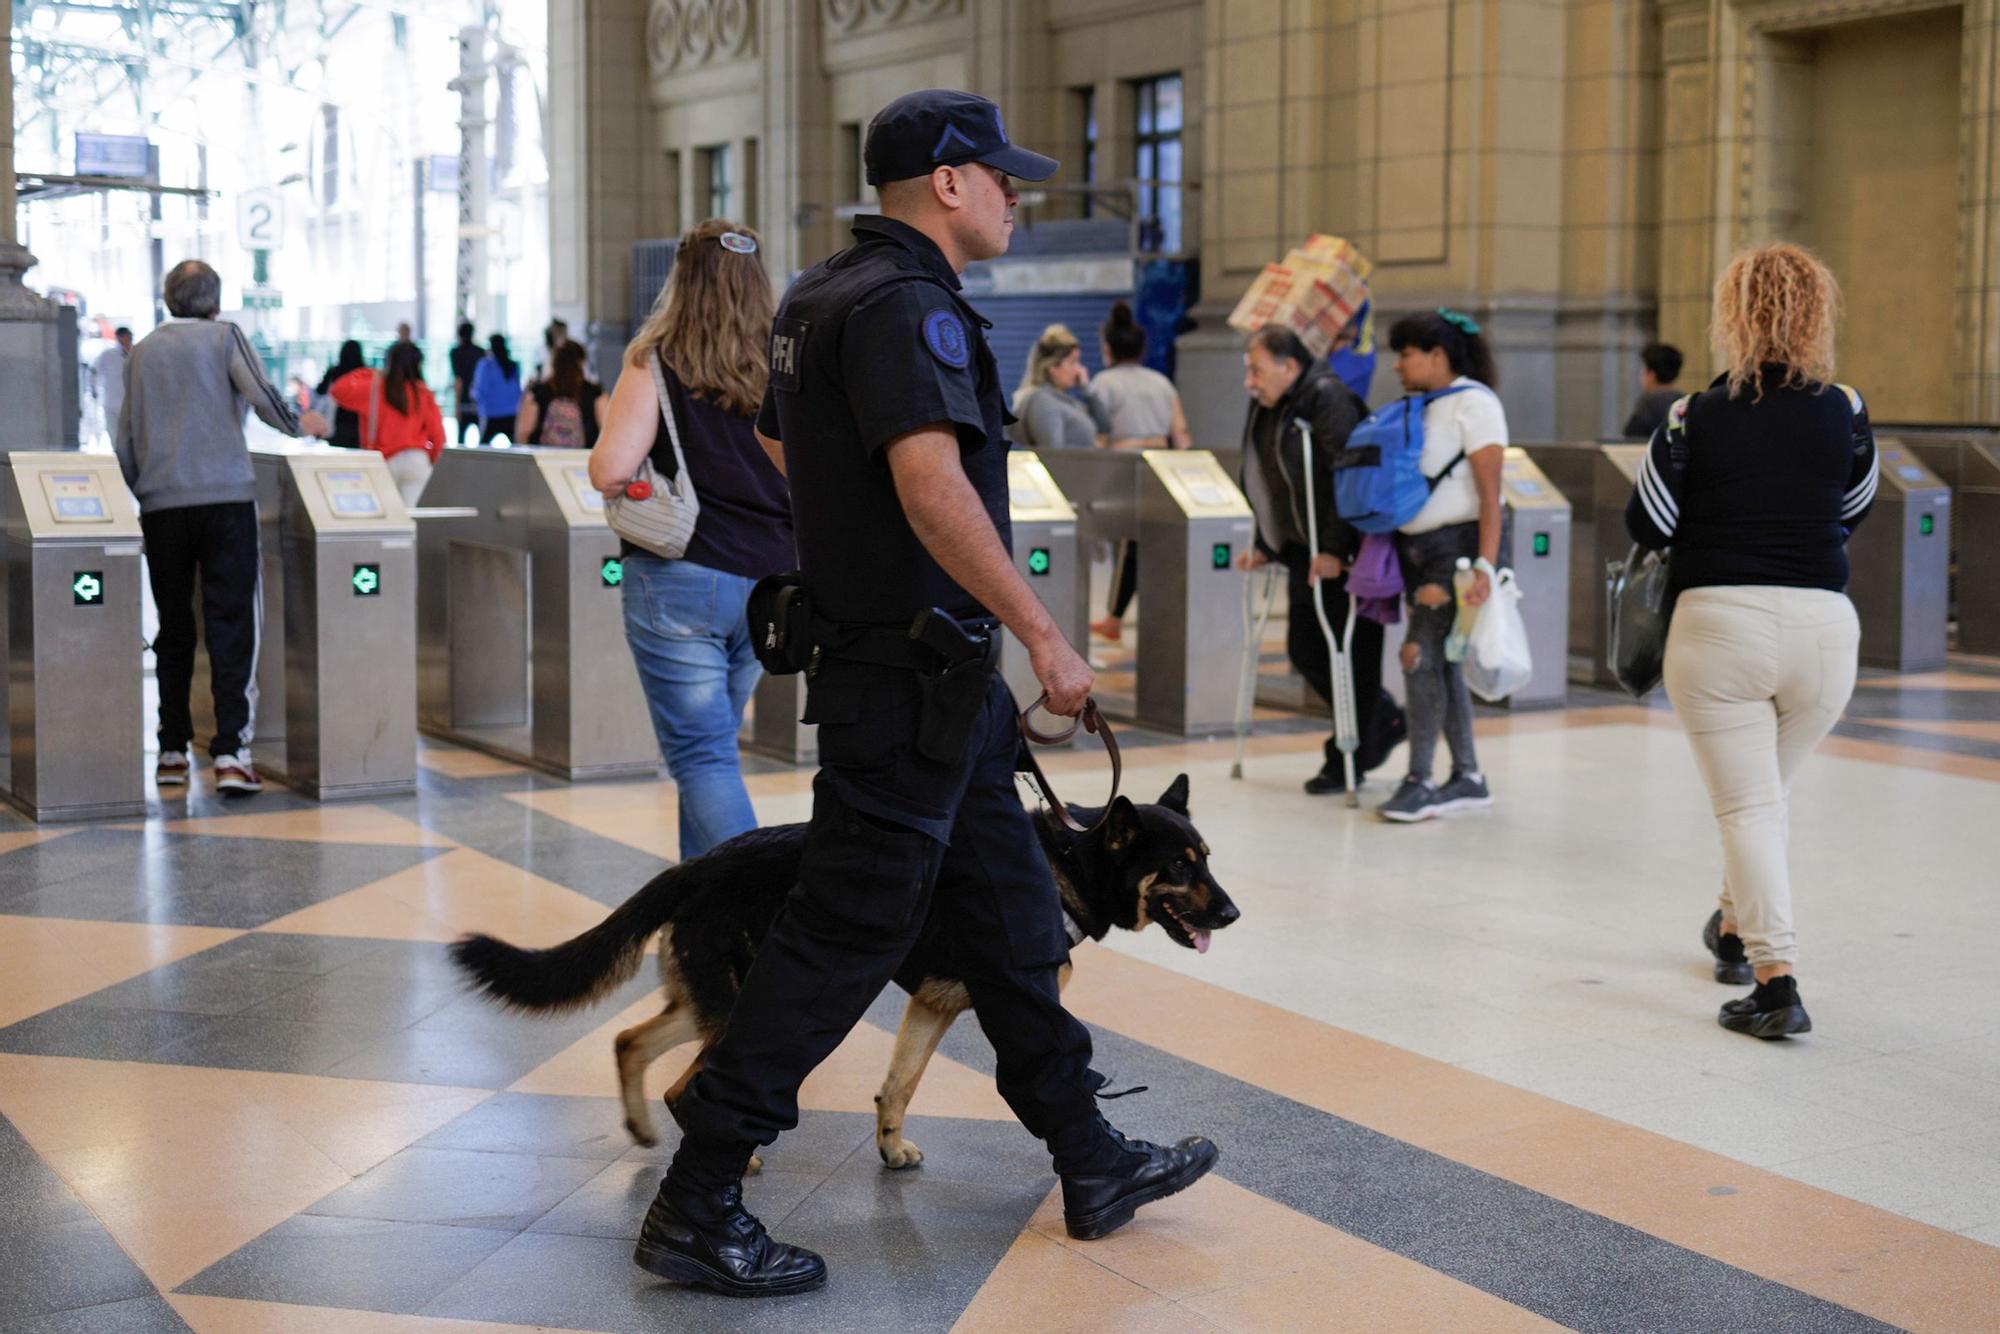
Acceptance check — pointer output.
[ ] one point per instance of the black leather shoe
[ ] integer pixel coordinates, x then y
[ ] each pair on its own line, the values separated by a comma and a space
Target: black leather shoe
1331, 779
1732, 967
1097, 1206
711, 1241
1771, 1011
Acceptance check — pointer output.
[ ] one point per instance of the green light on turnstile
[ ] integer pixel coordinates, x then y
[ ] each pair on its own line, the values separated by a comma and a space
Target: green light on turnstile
87, 587
611, 571
1038, 560
367, 580
1218, 556
1926, 525
1541, 544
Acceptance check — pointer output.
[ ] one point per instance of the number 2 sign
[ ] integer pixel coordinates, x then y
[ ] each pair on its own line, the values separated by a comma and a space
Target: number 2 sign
260, 219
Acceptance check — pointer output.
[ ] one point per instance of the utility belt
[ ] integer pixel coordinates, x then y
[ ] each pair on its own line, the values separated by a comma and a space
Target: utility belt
954, 660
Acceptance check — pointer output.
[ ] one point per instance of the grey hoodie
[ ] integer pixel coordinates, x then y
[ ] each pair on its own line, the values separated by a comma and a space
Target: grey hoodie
180, 435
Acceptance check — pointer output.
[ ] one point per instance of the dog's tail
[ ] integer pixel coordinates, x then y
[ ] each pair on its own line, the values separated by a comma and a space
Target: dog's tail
581, 971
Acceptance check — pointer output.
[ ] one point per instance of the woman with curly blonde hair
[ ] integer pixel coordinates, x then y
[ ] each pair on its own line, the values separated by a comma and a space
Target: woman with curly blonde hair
1755, 483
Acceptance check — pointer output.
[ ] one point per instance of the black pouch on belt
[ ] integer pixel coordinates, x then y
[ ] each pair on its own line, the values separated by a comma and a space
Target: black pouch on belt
781, 623
954, 692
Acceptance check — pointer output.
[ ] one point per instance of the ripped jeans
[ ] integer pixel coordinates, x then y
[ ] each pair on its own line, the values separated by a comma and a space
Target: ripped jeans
1434, 689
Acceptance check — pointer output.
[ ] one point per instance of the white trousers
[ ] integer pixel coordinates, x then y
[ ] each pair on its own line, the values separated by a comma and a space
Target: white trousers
1759, 675
411, 468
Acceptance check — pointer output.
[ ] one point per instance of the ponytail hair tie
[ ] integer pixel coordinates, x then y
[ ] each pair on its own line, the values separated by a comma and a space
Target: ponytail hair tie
1463, 323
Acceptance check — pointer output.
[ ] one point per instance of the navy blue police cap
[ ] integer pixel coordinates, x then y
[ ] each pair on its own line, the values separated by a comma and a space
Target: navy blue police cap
939, 127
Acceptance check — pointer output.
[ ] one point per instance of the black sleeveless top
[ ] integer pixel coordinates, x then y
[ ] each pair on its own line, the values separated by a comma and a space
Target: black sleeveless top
745, 526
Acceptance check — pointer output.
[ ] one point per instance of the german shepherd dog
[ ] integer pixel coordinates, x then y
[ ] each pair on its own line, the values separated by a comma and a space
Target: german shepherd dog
1144, 863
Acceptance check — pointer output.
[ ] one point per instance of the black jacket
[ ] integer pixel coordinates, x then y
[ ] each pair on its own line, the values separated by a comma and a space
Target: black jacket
1273, 476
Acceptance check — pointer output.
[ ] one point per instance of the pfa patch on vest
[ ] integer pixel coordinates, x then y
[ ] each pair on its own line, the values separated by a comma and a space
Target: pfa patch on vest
944, 334
788, 346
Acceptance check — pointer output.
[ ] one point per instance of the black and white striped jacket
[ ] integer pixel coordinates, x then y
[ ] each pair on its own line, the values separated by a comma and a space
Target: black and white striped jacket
1757, 490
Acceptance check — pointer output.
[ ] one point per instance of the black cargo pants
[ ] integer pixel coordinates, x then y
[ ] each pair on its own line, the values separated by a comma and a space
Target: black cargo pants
895, 837
213, 548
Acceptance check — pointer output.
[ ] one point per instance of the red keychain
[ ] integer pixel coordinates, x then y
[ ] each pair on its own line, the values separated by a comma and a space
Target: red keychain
636, 490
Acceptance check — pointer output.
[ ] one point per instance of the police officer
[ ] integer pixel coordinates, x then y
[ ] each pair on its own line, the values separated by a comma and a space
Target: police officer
885, 410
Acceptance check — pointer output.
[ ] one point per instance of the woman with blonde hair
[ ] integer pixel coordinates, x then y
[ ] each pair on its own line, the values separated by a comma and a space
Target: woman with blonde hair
708, 337
1052, 415
1756, 483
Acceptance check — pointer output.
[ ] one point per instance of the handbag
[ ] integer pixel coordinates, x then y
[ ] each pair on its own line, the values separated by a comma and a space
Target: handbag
1638, 609
653, 515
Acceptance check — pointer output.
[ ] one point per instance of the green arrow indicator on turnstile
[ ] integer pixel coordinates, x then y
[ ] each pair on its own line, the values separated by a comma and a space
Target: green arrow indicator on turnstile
87, 587
1541, 544
612, 571
1038, 560
1218, 555
367, 580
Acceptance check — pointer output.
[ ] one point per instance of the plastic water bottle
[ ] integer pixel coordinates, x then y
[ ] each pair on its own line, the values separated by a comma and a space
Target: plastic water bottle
1461, 624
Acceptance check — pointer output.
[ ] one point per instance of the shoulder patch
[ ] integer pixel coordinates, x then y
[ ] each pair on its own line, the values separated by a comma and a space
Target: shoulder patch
944, 334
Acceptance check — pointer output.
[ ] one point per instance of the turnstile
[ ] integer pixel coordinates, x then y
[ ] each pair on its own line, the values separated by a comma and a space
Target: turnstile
1899, 563
1976, 525
73, 742
1589, 481
1050, 556
773, 728
1536, 543
520, 631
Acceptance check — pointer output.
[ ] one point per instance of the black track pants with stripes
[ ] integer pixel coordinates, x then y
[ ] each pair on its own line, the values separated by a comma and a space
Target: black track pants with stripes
213, 547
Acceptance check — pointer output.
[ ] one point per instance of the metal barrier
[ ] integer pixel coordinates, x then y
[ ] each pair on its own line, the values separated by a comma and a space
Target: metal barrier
520, 629
1050, 556
1190, 522
1976, 524
772, 728
73, 742
1899, 562
1536, 543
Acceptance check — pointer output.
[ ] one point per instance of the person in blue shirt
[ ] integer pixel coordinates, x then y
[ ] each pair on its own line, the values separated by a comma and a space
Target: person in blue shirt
496, 388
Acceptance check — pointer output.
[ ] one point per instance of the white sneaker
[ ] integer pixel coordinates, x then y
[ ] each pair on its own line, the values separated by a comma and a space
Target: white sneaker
171, 769
235, 773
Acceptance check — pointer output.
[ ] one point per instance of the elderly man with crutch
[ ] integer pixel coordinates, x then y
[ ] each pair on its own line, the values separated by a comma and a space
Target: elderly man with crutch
1300, 416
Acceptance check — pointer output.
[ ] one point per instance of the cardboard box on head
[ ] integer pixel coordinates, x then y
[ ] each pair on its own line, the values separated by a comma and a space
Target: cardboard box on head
1315, 292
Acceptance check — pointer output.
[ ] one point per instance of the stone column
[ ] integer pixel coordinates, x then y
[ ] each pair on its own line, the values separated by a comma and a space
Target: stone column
30, 359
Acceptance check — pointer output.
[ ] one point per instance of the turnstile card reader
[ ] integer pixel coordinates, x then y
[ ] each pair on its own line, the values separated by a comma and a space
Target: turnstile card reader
1193, 522
1537, 538
521, 631
349, 588
1050, 556
1978, 523
1899, 564
72, 738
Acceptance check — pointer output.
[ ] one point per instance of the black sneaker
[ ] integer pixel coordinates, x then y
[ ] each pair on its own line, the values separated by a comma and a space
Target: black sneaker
1771, 1011
1331, 780
709, 1240
1732, 967
1097, 1206
1415, 800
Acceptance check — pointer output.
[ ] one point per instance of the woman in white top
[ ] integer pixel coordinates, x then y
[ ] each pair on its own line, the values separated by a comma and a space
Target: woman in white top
1442, 356
1143, 410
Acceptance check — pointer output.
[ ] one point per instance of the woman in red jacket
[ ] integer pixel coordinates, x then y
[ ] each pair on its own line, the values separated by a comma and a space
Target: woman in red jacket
399, 416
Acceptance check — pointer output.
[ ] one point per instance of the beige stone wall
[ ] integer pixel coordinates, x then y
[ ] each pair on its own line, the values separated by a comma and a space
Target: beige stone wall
1571, 172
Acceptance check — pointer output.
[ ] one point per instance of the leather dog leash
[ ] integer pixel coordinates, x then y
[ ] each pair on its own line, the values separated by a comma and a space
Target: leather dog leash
1091, 721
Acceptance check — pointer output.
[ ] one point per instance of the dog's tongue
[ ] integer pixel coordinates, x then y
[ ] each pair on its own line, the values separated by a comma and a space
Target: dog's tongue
1201, 942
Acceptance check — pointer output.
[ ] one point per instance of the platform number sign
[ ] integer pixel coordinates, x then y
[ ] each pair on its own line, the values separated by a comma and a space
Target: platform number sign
611, 571
87, 588
1218, 556
1038, 560
367, 580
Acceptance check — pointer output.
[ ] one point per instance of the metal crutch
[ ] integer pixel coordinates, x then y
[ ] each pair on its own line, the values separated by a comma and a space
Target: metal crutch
1253, 653
1346, 734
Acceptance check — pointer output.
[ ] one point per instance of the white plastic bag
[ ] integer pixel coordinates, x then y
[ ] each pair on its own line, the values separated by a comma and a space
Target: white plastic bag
1497, 662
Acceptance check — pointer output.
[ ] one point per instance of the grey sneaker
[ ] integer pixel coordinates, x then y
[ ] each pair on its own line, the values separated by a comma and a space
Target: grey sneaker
1465, 792
1415, 800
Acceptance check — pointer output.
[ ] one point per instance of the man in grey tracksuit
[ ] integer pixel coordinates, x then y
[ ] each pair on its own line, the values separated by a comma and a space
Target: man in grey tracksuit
179, 440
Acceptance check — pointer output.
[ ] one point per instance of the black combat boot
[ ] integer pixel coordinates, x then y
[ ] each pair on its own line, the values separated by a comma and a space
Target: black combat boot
708, 1239
1732, 966
1098, 1204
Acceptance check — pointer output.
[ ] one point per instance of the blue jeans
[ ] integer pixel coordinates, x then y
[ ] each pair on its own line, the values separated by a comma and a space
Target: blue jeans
691, 641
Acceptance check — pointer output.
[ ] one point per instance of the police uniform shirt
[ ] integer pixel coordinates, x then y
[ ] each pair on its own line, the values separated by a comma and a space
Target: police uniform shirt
868, 346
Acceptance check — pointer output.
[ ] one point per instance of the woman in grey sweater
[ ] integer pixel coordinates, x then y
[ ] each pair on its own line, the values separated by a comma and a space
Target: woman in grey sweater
1052, 415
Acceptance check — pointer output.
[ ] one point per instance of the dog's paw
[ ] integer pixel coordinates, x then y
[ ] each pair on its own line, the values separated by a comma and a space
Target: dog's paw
899, 1154
756, 1165
642, 1132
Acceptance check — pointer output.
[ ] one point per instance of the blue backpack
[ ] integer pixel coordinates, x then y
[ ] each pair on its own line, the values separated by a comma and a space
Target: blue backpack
1377, 483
